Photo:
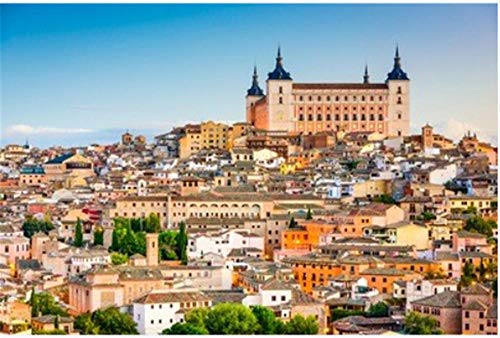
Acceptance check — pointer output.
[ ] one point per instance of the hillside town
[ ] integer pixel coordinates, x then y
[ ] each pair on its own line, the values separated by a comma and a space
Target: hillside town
282, 224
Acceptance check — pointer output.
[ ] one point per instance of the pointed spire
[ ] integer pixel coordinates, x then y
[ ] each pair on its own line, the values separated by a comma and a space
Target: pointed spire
279, 59
397, 73
255, 89
279, 73
366, 77
397, 59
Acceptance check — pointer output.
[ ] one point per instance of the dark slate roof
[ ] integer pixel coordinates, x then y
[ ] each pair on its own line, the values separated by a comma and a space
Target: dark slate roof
397, 73
59, 159
255, 89
339, 86
447, 299
32, 170
32, 264
279, 73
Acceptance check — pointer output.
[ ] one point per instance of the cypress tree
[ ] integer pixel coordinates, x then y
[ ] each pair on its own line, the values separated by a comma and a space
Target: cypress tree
78, 242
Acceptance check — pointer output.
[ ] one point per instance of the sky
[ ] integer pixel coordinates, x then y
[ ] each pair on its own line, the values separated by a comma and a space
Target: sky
79, 74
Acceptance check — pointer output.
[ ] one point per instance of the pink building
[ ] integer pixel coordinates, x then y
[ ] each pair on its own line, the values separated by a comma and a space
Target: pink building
14, 248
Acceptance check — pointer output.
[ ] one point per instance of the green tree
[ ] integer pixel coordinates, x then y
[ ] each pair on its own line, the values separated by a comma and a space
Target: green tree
292, 224
341, 313
167, 241
48, 332
386, 199
268, 324
309, 214
78, 242
468, 275
185, 329
379, 309
118, 258
479, 225
301, 325
197, 317
415, 323
44, 304
128, 244
56, 322
31, 226
228, 318
98, 236
428, 216
182, 240
152, 223
470, 210
106, 321
115, 241
85, 325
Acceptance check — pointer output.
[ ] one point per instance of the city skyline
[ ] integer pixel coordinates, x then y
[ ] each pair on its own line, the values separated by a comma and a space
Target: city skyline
148, 68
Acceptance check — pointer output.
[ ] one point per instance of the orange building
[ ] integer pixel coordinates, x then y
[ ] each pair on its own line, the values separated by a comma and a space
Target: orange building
313, 270
382, 279
305, 236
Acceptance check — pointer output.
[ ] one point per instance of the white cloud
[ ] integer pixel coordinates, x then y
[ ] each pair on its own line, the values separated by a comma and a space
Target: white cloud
455, 130
25, 129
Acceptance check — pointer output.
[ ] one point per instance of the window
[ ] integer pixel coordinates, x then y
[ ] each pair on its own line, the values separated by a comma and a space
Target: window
281, 100
301, 117
273, 298
320, 117
281, 90
400, 101
283, 298
310, 117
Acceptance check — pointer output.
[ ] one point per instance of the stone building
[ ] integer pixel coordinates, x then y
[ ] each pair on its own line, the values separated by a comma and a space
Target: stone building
310, 108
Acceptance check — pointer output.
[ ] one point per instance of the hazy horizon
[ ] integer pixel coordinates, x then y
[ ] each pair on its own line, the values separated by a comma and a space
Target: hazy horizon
81, 74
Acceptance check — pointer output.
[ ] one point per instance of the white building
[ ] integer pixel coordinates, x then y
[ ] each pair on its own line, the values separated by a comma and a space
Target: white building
224, 242
158, 311
418, 289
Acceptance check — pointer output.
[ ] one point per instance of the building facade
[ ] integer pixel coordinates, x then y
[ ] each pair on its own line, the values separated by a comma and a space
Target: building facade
310, 108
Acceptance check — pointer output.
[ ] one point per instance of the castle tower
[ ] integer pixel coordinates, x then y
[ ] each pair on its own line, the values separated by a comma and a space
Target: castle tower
427, 139
152, 249
279, 98
399, 99
253, 95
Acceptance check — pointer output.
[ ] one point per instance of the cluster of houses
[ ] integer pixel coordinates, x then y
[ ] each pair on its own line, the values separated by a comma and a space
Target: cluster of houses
301, 224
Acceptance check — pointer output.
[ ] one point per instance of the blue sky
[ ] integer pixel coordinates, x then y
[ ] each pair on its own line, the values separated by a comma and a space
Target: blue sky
75, 74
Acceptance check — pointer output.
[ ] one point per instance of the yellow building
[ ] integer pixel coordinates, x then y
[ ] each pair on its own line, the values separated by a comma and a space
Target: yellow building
372, 188
460, 203
73, 164
401, 233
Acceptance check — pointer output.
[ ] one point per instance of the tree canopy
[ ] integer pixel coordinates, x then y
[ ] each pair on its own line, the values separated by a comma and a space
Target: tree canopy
379, 309
31, 226
129, 238
416, 323
45, 304
231, 318
106, 321
479, 225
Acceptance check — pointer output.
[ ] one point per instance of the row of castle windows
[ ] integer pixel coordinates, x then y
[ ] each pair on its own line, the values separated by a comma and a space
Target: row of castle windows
319, 117
346, 98
280, 100
337, 108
